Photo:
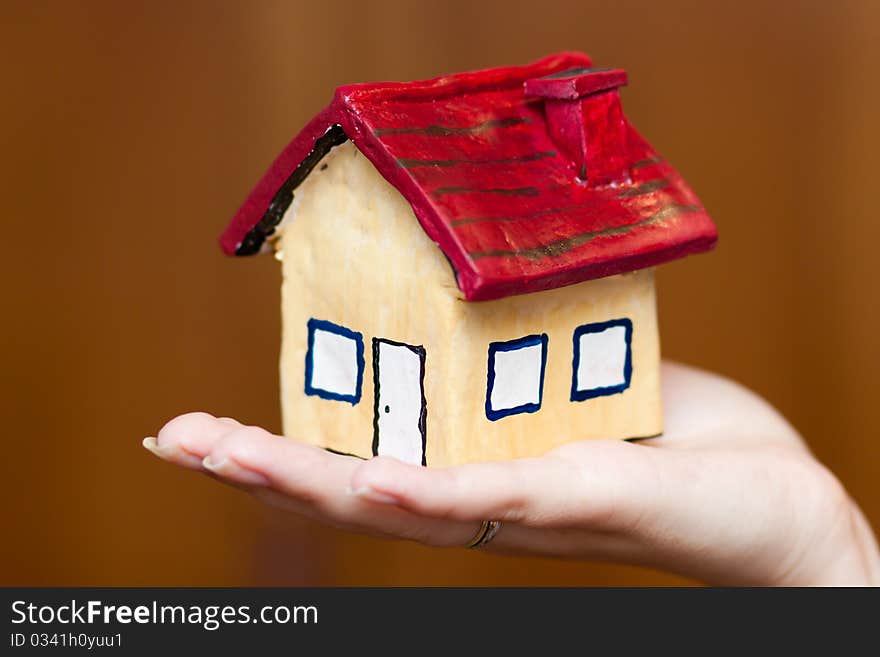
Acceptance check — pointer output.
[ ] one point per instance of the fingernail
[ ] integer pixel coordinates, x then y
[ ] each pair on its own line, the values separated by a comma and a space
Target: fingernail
171, 453
163, 452
152, 446
373, 495
229, 469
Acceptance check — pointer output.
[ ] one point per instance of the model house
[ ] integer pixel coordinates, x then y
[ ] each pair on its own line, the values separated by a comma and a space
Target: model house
468, 264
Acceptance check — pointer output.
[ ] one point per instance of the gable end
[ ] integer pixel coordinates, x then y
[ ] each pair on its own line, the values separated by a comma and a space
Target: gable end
282, 199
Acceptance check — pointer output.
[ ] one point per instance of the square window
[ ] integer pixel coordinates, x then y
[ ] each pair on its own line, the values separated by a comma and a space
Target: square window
334, 362
515, 380
602, 362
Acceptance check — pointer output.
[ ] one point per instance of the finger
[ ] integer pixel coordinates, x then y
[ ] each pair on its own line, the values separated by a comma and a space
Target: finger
195, 433
599, 484
190, 441
315, 483
187, 438
377, 521
305, 472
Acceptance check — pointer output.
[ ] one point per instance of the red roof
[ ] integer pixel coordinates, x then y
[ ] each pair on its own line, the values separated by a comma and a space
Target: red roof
473, 155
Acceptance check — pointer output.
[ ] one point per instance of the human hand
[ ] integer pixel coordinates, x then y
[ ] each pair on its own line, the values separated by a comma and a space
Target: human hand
729, 494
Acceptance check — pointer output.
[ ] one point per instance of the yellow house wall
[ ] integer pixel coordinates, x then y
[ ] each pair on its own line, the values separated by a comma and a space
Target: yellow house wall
353, 253
634, 413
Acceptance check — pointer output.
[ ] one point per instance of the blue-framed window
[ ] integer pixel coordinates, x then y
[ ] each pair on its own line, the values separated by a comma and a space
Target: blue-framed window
515, 379
334, 362
602, 363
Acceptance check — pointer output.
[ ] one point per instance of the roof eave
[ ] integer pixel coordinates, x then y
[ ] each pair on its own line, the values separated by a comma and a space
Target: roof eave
257, 203
477, 288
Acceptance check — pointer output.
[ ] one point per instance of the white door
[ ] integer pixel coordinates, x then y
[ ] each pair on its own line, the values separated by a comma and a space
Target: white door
400, 410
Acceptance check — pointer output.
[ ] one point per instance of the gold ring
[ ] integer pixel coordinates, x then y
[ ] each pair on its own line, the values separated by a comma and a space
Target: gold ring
486, 533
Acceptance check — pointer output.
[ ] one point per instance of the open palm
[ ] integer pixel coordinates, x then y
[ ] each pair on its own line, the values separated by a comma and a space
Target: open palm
729, 494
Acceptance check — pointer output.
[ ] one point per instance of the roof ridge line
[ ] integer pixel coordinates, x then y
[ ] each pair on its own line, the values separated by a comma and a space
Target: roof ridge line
444, 86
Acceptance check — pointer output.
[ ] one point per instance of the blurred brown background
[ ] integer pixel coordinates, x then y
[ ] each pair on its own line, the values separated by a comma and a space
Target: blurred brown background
131, 131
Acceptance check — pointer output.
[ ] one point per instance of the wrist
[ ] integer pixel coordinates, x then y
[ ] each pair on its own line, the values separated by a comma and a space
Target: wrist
852, 559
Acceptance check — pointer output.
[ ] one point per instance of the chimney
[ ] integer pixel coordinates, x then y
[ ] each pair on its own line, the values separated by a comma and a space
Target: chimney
585, 120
